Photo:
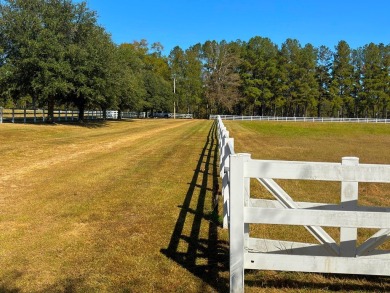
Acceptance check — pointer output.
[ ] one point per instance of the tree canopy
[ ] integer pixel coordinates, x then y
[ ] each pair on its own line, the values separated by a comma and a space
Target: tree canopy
53, 54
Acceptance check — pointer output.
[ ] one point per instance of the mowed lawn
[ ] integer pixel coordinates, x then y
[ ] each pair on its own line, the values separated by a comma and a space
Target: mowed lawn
128, 206
110, 207
318, 142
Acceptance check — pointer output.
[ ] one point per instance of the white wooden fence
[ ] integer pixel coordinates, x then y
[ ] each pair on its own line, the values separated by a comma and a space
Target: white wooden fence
327, 256
299, 119
40, 115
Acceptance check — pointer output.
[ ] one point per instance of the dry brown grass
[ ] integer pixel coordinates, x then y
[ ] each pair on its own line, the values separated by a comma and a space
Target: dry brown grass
99, 208
127, 206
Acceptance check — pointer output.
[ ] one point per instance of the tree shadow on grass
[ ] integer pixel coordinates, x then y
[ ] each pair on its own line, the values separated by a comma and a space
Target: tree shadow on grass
205, 257
91, 124
68, 285
4, 289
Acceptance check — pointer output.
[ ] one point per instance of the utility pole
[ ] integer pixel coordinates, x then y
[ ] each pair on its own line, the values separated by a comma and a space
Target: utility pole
174, 98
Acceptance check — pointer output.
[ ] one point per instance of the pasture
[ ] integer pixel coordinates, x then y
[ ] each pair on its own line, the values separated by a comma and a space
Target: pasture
127, 206
112, 207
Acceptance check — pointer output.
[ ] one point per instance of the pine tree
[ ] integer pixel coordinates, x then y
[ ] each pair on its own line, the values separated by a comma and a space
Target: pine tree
385, 79
357, 91
323, 77
376, 79
307, 87
342, 82
258, 74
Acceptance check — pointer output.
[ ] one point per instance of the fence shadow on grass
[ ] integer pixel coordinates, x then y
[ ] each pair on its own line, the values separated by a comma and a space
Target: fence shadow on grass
207, 257
204, 255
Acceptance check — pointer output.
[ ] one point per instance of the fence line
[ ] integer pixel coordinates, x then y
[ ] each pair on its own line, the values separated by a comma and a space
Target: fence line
40, 115
327, 256
299, 119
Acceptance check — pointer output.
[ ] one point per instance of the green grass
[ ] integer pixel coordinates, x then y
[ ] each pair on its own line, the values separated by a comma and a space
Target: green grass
127, 206
312, 141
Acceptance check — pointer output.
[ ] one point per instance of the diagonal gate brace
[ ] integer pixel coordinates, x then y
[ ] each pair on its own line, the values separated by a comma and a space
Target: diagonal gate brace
374, 241
320, 234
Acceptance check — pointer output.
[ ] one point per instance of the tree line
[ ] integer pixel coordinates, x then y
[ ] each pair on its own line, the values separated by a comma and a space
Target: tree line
53, 54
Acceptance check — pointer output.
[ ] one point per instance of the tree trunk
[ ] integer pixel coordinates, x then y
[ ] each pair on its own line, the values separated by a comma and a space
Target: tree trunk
319, 108
81, 108
50, 110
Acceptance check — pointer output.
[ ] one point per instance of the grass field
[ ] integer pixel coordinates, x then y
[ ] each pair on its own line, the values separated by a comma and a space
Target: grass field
127, 206
113, 207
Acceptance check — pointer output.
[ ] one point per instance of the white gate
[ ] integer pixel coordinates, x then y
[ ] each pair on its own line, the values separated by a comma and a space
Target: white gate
326, 256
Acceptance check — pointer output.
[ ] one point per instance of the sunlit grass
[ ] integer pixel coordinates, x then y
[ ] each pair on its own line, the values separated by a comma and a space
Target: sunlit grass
327, 142
321, 142
127, 206
93, 208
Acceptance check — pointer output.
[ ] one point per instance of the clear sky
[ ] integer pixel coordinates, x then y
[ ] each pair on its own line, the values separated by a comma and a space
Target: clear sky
184, 23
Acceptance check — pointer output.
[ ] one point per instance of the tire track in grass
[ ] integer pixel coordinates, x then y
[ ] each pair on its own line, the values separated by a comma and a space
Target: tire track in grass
74, 152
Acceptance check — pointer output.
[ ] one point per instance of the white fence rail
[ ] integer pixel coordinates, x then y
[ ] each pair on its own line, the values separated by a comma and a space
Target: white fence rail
299, 119
181, 116
40, 115
132, 115
327, 256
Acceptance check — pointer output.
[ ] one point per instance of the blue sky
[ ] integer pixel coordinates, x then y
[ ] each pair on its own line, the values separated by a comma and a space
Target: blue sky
185, 23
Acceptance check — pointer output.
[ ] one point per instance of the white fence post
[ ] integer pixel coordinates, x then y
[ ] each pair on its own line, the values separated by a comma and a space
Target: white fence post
238, 230
1, 115
226, 148
225, 196
225, 181
349, 198
223, 142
